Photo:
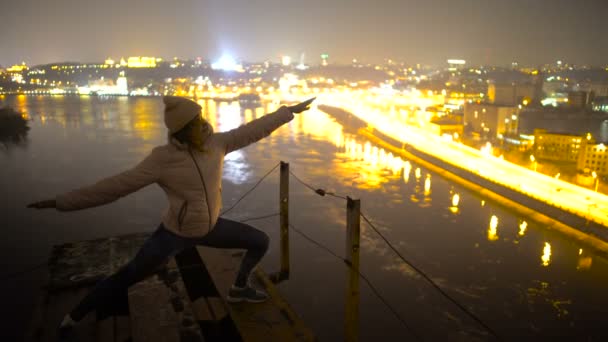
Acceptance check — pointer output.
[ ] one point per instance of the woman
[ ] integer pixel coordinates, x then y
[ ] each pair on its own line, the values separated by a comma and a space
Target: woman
189, 169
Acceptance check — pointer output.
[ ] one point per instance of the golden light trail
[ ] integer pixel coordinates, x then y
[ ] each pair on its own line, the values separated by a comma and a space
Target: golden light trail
546, 257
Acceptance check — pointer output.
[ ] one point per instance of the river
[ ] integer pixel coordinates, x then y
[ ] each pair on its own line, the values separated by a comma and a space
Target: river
523, 280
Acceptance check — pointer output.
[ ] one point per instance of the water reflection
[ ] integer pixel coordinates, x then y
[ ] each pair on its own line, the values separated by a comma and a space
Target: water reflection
523, 225
584, 261
406, 171
492, 228
546, 257
372, 172
427, 185
455, 202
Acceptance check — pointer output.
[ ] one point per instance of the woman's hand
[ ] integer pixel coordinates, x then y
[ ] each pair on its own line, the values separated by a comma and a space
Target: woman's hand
300, 107
43, 204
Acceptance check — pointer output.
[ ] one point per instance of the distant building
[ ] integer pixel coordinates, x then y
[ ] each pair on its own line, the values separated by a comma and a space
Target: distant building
456, 64
579, 99
324, 59
17, 68
511, 94
561, 147
600, 104
446, 126
491, 120
106, 87
141, 62
598, 89
593, 156
573, 121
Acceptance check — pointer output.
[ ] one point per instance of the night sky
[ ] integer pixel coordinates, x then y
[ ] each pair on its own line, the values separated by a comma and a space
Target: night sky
495, 32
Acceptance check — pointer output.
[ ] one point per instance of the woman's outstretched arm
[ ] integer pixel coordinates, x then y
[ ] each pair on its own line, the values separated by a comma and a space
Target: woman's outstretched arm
108, 189
260, 128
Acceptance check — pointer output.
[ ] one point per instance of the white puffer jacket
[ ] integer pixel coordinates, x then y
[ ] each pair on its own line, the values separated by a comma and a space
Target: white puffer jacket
194, 198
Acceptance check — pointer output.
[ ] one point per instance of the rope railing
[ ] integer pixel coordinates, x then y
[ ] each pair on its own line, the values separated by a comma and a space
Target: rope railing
322, 192
365, 278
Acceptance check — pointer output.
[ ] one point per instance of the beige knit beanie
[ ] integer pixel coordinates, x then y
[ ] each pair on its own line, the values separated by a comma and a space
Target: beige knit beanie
179, 111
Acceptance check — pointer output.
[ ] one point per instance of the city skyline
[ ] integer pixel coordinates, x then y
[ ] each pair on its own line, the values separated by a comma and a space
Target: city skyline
483, 33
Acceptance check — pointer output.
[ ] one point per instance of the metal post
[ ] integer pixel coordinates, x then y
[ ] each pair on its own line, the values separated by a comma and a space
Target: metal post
284, 207
283, 274
353, 232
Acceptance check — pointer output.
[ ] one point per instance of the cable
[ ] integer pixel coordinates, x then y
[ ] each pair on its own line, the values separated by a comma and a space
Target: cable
259, 217
22, 272
427, 278
250, 190
372, 287
320, 192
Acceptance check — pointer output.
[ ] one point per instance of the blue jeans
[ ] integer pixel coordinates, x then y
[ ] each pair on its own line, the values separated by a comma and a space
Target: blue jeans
162, 245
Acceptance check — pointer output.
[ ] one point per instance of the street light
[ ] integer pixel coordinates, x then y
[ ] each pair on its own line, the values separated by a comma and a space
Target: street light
597, 180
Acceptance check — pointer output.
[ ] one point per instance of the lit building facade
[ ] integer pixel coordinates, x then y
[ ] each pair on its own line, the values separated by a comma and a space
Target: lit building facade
490, 120
593, 156
511, 94
556, 146
141, 62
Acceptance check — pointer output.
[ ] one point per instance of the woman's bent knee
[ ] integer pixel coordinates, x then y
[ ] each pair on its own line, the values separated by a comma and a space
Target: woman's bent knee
262, 241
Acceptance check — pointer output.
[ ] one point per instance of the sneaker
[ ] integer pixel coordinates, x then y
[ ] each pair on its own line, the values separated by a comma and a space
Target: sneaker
64, 331
248, 294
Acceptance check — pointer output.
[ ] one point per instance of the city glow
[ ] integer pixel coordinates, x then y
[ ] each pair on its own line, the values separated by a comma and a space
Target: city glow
227, 63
